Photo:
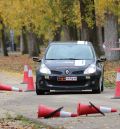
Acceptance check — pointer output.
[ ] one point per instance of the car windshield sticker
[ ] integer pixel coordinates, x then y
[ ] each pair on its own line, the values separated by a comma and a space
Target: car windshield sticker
79, 62
81, 42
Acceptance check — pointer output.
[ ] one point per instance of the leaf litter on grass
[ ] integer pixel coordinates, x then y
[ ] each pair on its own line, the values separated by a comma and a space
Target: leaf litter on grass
20, 122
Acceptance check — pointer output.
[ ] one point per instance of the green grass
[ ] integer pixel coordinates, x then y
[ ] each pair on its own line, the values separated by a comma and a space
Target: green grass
109, 85
26, 121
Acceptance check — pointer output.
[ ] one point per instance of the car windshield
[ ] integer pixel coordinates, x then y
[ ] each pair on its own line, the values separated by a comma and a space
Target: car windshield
69, 52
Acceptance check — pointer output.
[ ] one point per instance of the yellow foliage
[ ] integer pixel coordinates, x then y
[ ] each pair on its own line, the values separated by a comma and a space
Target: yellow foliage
34, 14
106, 6
1, 27
46, 16
76, 10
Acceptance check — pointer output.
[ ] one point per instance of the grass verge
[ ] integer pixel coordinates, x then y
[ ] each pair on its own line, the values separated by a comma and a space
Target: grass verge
20, 122
15, 64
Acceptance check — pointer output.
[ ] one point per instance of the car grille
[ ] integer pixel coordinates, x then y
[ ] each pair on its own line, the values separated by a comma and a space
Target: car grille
67, 83
78, 72
56, 72
59, 72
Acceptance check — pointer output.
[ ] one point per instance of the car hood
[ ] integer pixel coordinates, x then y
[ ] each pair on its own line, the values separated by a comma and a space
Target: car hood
68, 63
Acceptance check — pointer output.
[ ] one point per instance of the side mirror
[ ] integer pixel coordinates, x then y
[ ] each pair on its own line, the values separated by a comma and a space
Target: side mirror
36, 59
102, 59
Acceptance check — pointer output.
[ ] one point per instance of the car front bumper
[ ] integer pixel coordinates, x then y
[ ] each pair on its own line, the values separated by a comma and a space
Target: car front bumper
84, 82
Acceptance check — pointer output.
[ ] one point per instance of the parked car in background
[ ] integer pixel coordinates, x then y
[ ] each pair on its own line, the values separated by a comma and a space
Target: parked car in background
70, 66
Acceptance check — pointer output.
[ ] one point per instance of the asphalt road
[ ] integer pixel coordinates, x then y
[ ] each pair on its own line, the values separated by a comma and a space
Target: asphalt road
26, 104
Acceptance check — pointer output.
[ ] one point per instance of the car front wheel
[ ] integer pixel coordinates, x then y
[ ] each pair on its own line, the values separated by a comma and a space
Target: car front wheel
100, 86
40, 92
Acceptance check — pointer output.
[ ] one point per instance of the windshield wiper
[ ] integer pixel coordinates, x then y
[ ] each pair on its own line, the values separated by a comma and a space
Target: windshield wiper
65, 59
72, 59
50, 59
55, 59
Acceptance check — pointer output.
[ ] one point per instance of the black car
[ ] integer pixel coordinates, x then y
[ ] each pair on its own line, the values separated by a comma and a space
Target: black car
69, 66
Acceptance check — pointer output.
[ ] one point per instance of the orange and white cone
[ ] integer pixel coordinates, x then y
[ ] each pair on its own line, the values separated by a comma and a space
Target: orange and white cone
83, 109
48, 112
30, 85
117, 89
25, 77
9, 88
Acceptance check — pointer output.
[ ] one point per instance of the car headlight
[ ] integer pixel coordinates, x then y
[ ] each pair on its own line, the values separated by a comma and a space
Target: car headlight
44, 69
91, 69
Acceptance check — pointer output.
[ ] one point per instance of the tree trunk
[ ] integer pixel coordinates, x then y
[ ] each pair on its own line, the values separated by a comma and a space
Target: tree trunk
57, 35
100, 38
73, 33
79, 34
23, 42
84, 27
32, 45
3, 43
89, 33
38, 45
111, 36
69, 33
65, 33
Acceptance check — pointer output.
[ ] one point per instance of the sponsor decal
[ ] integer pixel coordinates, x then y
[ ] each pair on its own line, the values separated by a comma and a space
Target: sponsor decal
79, 62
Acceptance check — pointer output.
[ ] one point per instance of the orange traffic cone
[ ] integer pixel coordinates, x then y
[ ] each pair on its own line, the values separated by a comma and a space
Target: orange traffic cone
25, 77
117, 89
83, 109
9, 88
48, 112
30, 85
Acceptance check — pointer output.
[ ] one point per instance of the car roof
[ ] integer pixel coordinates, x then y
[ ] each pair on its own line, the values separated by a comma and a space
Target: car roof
70, 42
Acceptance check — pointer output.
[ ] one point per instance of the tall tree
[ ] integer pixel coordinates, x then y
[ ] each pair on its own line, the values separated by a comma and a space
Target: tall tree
55, 18
2, 35
23, 41
107, 12
88, 21
66, 16
111, 36
32, 47
111, 29
27, 13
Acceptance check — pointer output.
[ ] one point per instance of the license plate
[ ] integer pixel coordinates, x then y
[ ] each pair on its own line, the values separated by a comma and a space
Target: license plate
67, 78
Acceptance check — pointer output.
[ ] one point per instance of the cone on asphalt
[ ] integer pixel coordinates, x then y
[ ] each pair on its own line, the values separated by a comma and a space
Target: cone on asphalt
9, 88
48, 112
30, 85
83, 109
117, 88
25, 76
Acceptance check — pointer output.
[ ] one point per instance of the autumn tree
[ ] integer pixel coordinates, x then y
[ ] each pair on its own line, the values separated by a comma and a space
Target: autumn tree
2, 38
111, 29
88, 21
2, 35
55, 20
65, 18
23, 17
107, 16
23, 41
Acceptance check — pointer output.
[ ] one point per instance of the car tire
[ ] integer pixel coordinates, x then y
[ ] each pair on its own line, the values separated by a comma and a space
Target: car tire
100, 87
96, 91
41, 92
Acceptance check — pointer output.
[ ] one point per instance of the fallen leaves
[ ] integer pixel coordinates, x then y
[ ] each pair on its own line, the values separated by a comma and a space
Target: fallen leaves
20, 122
15, 63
